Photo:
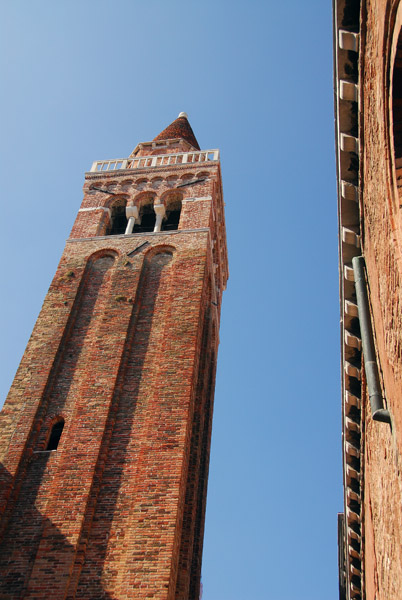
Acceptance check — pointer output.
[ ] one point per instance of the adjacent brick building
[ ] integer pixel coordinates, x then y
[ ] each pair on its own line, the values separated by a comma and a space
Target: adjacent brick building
368, 110
105, 434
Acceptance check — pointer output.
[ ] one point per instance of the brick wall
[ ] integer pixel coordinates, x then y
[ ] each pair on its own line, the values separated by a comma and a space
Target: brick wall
381, 228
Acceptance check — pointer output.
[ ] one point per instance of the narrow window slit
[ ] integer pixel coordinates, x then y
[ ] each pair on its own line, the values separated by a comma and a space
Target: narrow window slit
55, 435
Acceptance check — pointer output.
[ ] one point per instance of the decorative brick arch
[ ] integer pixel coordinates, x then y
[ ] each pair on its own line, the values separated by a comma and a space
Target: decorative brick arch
143, 198
160, 249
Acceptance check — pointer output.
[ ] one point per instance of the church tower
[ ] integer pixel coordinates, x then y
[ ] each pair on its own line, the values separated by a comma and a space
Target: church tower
105, 434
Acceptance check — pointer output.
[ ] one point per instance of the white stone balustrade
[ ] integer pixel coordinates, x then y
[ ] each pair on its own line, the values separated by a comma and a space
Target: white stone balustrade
161, 160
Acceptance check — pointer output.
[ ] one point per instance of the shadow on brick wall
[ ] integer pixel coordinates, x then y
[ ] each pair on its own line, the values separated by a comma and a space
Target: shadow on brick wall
24, 520
102, 558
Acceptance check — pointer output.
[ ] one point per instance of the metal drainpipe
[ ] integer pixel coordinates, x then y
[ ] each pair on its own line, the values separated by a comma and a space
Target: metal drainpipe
370, 363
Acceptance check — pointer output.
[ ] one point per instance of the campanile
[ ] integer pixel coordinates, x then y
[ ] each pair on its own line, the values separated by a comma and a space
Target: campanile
105, 434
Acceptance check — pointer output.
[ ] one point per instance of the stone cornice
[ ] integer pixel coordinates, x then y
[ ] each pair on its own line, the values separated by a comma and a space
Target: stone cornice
155, 170
137, 235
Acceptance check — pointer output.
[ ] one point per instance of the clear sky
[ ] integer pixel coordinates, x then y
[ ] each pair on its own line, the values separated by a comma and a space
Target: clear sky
84, 80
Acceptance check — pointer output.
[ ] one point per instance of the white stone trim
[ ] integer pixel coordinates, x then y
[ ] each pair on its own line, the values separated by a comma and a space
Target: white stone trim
351, 370
348, 91
348, 143
352, 340
349, 191
351, 400
104, 208
351, 309
348, 273
195, 199
350, 237
348, 40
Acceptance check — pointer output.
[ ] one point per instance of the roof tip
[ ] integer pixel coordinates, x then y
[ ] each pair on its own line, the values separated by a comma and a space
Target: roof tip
180, 128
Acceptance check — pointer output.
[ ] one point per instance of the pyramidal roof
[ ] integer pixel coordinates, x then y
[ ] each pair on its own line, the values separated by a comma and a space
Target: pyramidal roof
180, 128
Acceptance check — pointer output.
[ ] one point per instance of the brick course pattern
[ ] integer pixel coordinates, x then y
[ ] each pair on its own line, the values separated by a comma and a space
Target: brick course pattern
124, 350
382, 248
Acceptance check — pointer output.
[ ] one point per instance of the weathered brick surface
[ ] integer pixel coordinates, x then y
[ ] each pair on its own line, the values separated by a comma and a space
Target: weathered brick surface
124, 350
382, 513
382, 516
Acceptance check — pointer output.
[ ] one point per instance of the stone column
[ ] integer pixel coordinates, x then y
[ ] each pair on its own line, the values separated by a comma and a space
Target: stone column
160, 213
132, 216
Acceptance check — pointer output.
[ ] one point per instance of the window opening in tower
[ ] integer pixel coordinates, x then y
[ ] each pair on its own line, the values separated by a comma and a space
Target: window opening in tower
148, 218
55, 435
173, 210
119, 219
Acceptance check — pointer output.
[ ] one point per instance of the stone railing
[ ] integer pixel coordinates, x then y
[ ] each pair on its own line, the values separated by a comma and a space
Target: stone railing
161, 160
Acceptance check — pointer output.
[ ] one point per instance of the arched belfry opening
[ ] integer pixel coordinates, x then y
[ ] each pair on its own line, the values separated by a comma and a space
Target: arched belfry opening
397, 113
118, 219
147, 218
173, 210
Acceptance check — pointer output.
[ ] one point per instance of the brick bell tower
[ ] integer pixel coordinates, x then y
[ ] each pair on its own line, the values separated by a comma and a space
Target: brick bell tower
105, 434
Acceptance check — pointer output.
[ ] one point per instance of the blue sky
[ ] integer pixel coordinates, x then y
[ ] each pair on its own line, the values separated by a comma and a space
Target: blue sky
86, 80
